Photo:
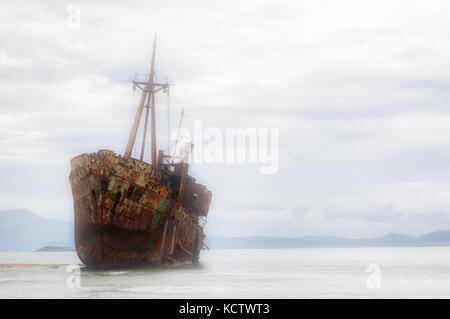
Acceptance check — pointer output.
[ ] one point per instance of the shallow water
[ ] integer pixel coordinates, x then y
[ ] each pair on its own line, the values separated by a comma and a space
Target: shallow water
241, 273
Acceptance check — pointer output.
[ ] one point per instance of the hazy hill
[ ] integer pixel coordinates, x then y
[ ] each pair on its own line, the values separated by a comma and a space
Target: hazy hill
440, 238
22, 230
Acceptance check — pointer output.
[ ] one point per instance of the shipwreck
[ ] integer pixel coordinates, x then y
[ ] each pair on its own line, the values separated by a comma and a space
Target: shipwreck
130, 212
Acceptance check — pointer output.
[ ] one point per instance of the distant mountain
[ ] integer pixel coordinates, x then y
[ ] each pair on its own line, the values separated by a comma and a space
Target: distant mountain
440, 238
22, 230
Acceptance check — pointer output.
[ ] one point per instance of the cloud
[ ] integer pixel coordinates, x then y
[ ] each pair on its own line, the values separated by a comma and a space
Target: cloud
359, 90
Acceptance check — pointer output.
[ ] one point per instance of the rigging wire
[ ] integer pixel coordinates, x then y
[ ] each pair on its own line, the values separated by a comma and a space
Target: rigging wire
168, 121
132, 109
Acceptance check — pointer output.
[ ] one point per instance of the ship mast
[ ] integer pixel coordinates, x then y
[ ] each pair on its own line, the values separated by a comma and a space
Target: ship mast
152, 90
147, 101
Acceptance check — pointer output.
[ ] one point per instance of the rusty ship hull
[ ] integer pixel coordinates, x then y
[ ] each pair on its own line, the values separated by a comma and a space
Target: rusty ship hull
125, 213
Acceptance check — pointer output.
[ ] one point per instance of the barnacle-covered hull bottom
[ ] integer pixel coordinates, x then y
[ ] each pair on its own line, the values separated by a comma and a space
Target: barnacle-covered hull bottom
125, 214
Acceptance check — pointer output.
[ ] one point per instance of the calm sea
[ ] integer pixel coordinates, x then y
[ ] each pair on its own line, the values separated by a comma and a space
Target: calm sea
243, 273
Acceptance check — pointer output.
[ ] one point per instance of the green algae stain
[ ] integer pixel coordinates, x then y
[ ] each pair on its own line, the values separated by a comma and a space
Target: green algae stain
157, 217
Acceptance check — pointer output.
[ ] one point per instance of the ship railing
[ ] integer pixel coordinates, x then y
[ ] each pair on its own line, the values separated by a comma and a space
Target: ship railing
202, 221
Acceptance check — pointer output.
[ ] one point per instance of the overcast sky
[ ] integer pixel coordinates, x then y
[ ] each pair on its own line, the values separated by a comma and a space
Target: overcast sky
360, 91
